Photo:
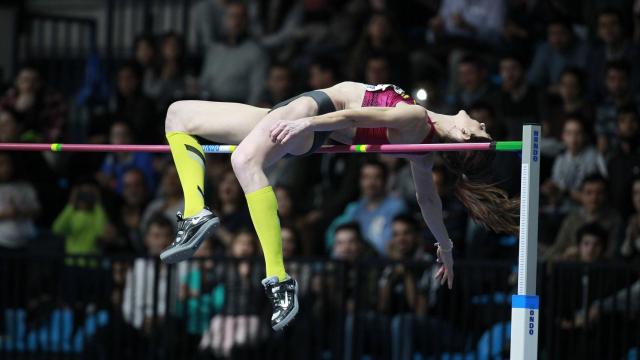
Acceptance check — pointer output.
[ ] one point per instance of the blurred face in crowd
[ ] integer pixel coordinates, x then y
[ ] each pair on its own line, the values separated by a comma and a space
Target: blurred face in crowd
8, 127
573, 135
320, 78
635, 195
558, 36
279, 82
128, 82
470, 76
145, 52
404, 238
28, 81
590, 248
134, 189
378, 29
609, 28
372, 182
171, 47
236, 20
627, 125
171, 183
570, 87
6, 167
157, 238
377, 71
285, 202
229, 190
289, 243
243, 245
593, 195
511, 73
617, 83
346, 245
120, 134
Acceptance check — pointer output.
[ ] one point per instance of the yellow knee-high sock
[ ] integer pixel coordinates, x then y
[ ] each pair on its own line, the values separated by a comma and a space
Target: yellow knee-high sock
189, 159
263, 208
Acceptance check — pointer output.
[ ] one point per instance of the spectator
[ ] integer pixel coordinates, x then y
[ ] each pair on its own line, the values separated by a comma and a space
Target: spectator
115, 165
473, 83
376, 208
378, 38
477, 21
612, 45
618, 93
561, 49
238, 325
234, 68
168, 201
275, 23
631, 245
10, 129
291, 244
231, 208
168, 82
40, 112
82, 222
592, 240
145, 55
593, 209
279, 85
18, 207
377, 70
207, 23
400, 181
324, 72
348, 244
572, 166
624, 164
518, 102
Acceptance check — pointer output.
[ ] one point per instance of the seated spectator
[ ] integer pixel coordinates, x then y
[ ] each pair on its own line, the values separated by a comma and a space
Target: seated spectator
148, 285
115, 165
238, 324
572, 166
376, 208
624, 164
19, 206
10, 129
377, 70
40, 111
124, 234
612, 44
593, 194
206, 23
291, 244
570, 99
631, 245
324, 72
83, 221
561, 49
145, 55
231, 208
518, 102
234, 68
476, 21
275, 23
618, 93
592, 240
130, 105
379, 37
169, 199
168, 82
348, 244
279, 86
474, 85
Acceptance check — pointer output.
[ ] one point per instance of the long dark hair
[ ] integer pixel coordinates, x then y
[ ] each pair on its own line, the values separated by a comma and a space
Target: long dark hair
487, 204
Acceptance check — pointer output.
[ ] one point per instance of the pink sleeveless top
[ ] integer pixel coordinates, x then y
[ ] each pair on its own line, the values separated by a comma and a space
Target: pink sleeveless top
384, 95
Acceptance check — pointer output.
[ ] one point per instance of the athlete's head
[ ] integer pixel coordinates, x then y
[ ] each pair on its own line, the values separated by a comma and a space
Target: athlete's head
463, 128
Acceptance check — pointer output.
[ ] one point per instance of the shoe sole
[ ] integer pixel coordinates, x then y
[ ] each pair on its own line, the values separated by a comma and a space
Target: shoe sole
279, 326
186, 251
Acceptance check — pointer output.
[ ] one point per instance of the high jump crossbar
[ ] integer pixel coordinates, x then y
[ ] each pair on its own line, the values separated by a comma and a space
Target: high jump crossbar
524, 305
226, 149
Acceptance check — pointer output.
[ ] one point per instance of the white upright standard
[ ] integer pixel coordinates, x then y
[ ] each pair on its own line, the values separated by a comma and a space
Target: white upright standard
525, 305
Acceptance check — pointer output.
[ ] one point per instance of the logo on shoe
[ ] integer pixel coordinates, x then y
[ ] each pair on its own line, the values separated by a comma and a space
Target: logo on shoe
284, 303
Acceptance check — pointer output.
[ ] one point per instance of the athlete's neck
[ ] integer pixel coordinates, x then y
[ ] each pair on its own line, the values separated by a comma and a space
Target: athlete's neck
442, 124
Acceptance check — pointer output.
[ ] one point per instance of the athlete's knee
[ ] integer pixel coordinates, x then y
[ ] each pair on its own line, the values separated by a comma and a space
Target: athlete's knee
176, 119
242, 160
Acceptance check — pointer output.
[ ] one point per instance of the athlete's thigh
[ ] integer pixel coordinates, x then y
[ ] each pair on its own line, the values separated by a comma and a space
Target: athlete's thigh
259, 143
222, 122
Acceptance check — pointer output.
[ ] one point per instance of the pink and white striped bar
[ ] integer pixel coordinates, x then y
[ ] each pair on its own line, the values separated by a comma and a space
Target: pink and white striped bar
226, 149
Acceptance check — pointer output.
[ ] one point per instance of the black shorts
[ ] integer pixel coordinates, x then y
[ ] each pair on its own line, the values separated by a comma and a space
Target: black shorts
325, 105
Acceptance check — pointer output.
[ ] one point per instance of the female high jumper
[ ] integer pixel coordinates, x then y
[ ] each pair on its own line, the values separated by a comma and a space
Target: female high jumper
349, 113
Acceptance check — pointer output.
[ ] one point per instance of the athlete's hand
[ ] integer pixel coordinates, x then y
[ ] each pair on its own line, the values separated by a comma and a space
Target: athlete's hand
445, 272
285, 130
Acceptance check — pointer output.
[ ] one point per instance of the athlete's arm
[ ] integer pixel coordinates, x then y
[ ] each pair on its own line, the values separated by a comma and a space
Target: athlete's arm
370, 117
431, 209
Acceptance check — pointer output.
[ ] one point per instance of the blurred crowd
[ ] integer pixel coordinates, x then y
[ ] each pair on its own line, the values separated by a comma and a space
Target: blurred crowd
567, 65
